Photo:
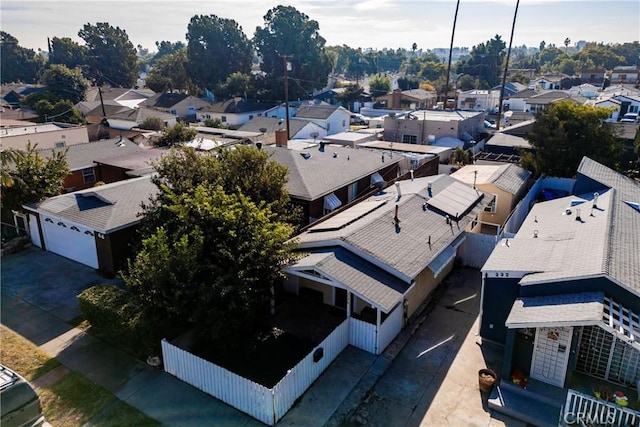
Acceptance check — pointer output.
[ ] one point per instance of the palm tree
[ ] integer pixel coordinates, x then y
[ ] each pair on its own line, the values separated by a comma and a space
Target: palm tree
566, 44
414, 47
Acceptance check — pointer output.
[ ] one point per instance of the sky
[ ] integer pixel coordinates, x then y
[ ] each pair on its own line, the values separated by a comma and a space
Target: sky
367, 24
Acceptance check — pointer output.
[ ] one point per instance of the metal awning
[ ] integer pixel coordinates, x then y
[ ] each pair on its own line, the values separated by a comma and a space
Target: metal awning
441, 261
331, 202
581, 309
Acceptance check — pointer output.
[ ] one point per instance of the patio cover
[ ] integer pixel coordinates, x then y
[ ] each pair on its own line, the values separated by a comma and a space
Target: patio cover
580, 309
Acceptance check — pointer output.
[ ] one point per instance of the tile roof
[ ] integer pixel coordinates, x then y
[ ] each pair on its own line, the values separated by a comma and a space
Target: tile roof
321, 112
321, 173
568, 309
371, 283
622, 260
105, 208
405, 250
80, 156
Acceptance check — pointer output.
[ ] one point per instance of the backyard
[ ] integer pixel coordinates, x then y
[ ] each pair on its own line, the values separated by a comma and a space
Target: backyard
278, 345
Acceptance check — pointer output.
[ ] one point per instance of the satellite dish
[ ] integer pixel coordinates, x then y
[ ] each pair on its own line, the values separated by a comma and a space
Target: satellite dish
314, 135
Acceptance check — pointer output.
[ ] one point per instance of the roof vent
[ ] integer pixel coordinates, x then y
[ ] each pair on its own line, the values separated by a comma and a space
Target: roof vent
335, 154
306, 156
398, 190
595, 199
429, 189
578, 215
535, 234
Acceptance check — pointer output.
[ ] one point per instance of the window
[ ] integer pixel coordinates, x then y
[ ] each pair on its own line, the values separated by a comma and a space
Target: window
491, 207
328, 127
223, 119
633, 108
88, 175
344, 123
410, 139
174, 112
353, 192
60, 144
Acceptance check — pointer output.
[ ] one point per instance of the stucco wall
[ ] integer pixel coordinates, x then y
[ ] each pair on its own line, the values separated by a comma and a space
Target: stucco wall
425, 284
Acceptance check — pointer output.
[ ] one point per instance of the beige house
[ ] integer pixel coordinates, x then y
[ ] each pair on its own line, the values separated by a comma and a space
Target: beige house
408, 99
426, 126
505, 184
47, 135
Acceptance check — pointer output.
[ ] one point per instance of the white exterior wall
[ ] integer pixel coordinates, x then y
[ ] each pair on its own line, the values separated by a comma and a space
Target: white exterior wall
68, 136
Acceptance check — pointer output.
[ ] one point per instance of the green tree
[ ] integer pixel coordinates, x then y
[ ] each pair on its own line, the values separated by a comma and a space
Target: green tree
213, 241
432, 70
630, 51
167, 48
350, 95
601, 56
216, 47
152, 123
519, 77
485, 62
169, 73
32, 177
566, 132
64, 83
111, 56
180, 132
214, 123
379, 85
18, 64
236, 84
67, 52
289, 32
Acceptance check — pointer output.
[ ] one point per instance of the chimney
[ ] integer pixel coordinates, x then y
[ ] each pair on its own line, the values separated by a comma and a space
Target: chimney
281, 138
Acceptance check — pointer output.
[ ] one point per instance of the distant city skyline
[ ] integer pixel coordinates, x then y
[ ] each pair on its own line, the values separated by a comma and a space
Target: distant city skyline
366, 24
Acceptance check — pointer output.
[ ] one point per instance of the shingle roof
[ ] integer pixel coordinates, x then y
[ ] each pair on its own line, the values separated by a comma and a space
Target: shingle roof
622, 260
105, 208
404, 250
140, 114
238, 106
371, 283
321, 173
321, 112
505, 140
271, 124
507, 177
80, 156
165, 100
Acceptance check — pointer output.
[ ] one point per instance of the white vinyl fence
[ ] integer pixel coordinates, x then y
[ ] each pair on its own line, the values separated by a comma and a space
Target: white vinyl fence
363, 334
476, 248
262, 403
593, 411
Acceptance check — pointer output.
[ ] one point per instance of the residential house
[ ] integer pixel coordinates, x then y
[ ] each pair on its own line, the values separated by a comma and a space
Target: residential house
563, 297
594, 77
625, 75
504, 185
427, 126
621, 104
333, 118
323, 178
517, 101
177, 104
479, 100
83, 171
234, 112
504, 143
541, 101
280, 111
298, 128
16, 117
123, 96
381, 258
550, 81
442, 153
94, 226
407, 99
97, 112
132, 118
14, 93
350, 139
586, 90
330, 96
510, 88
47, 135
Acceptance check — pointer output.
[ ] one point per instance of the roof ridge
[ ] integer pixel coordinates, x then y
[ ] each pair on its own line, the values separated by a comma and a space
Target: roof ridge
608, 247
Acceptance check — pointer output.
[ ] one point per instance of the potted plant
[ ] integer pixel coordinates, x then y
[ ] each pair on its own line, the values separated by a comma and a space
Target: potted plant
602, 391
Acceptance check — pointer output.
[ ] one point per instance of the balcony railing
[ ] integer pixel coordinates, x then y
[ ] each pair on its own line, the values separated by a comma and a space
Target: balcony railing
582, 409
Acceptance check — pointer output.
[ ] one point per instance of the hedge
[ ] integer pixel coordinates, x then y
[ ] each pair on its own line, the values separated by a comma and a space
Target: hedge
122, 318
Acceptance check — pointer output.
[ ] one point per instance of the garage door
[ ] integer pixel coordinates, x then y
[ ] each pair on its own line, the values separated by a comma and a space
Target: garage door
70, 241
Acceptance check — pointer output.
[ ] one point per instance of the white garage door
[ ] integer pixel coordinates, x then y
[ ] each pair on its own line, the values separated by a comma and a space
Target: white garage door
70, 241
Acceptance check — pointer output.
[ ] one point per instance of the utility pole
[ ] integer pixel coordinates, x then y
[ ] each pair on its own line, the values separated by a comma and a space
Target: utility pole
287, 68
104, 114
453, 33
506, 67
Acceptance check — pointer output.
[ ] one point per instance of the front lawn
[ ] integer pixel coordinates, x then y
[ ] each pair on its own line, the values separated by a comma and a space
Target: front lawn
72, 400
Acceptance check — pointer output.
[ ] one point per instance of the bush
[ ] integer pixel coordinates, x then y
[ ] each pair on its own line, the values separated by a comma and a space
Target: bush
122, 318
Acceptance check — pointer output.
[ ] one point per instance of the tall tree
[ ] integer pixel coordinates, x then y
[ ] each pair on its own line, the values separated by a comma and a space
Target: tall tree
17, 63
288, 32
379, 85
111, 56
485, 62
350, 95
169, 73
67, 52
216, 47
601, 56
180, 132
166, 48
566, 132
213, 243
65, 83
237, 84
32, 177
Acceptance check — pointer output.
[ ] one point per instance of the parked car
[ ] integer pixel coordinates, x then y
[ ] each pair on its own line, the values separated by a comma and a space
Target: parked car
20, 405
630, 118
359, 120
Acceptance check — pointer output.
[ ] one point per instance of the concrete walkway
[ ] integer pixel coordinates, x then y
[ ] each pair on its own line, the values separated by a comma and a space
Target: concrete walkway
427, 376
